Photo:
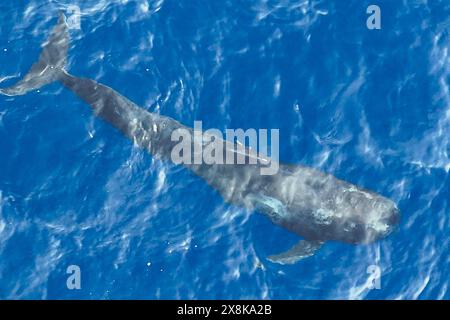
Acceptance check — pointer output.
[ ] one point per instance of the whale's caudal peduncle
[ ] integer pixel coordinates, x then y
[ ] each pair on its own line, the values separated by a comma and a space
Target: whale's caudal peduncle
314, 205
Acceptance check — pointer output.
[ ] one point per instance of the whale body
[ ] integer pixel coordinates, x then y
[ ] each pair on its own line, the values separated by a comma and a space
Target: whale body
314, 205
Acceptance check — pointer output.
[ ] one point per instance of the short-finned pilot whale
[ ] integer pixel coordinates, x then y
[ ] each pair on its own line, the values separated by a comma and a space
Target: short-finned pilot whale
314, 205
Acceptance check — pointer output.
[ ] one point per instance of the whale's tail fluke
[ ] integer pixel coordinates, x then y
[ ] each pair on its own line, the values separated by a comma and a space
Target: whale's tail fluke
50, 65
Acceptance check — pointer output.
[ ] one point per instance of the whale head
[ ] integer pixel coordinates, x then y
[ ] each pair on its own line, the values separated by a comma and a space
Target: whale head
320, 207
367, 216
327, 208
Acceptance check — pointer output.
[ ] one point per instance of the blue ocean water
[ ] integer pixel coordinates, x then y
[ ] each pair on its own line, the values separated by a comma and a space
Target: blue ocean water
369, 106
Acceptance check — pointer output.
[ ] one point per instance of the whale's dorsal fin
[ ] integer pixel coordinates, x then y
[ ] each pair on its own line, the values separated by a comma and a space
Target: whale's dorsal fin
301, 250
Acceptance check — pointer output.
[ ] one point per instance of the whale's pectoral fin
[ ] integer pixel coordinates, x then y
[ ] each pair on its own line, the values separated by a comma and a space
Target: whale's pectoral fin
301, 250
